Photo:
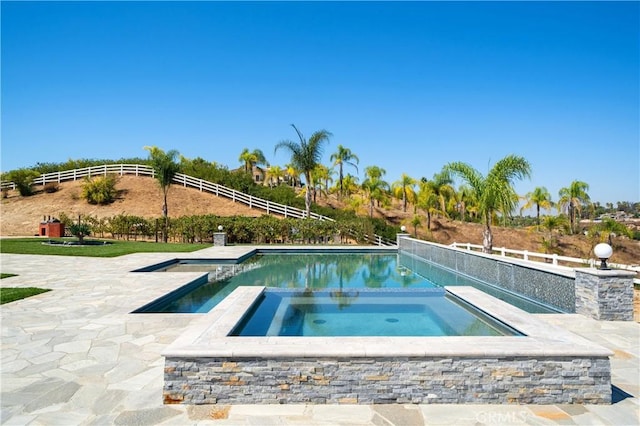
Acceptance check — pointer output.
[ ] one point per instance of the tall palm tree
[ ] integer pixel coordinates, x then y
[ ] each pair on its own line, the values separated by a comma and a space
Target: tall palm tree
572, 198
165, 167
374, 186
340, 158
403, 189
305, 155
539, 197
251, 159
495, 191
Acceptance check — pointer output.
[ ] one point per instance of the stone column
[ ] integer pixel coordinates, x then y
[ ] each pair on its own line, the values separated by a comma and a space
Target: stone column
605, 294
219, 239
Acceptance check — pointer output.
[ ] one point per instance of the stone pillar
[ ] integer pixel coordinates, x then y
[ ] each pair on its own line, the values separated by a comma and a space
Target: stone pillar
219, 239
605, 294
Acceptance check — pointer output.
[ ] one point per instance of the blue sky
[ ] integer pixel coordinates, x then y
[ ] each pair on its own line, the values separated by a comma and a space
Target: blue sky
406, 86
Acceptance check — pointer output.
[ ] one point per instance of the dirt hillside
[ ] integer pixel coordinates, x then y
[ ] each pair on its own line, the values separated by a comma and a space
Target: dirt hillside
141, 196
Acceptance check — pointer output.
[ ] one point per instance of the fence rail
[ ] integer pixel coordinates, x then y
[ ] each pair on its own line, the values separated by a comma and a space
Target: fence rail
532, 256
187, 181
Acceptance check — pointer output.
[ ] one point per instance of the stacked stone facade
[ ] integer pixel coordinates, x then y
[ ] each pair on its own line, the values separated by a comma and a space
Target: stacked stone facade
605, 295
449, 380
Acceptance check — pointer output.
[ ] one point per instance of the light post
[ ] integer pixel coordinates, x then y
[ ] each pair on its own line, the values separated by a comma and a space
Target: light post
603, 251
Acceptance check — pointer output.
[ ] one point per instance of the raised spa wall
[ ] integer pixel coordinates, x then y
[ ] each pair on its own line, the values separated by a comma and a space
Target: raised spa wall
602, 295
547, 365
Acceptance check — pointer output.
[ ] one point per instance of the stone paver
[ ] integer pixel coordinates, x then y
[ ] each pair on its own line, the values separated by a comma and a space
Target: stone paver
76, 355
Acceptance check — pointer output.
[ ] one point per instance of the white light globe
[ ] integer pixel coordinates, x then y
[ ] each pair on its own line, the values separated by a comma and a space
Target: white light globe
603, 251
219, 227
403, 228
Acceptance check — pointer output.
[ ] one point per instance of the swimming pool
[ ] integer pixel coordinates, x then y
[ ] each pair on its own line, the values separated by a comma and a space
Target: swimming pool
431, 312
312, 271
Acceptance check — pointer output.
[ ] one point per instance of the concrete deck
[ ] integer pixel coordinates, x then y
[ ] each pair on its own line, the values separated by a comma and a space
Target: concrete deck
76, 355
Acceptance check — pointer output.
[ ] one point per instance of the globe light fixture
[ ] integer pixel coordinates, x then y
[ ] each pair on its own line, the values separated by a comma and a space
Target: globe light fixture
603, 251
403, 228
220, 228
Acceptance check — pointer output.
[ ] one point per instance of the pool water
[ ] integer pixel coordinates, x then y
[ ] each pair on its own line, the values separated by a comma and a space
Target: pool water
313, 271
365, 313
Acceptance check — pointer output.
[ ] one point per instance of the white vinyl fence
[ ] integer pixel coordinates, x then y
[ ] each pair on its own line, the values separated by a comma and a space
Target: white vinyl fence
187, 181
543, 257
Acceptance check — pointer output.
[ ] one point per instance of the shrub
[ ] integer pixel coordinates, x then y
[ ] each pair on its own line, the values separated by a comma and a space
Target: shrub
100, 190
51, 187
23, 178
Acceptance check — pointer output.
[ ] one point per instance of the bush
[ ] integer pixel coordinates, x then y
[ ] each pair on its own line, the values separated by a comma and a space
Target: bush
51, 187
23, 178
100, 190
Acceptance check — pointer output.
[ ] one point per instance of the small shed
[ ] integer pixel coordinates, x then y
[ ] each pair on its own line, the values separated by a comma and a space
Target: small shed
51, 228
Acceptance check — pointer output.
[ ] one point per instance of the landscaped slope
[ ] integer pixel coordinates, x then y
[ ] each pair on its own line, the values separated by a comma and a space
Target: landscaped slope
140, 196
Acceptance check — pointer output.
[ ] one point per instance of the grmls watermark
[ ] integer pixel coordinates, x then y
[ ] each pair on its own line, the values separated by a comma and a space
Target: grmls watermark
509, 418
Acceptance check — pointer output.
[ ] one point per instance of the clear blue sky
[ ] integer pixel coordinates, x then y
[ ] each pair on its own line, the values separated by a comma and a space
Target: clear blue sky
406, 86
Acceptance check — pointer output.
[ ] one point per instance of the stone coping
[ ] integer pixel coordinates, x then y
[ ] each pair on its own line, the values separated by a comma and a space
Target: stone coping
208, 337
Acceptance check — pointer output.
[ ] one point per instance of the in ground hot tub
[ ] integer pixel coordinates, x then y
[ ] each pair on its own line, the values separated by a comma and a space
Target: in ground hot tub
544, 365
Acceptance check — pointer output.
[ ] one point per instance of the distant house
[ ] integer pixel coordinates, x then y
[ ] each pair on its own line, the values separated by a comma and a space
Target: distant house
257, 173
261, 176
618, 216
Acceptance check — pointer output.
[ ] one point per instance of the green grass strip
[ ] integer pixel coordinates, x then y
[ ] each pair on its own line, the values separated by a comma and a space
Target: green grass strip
10, 294
116, 248
3, 275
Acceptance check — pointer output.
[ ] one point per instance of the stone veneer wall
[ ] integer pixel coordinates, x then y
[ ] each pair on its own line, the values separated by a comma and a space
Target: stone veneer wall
605, 295
455, 380
546, 287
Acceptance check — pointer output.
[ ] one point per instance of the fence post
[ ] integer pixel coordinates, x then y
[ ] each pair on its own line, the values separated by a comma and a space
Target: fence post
555, 259
469, 246
525, 255
502, 252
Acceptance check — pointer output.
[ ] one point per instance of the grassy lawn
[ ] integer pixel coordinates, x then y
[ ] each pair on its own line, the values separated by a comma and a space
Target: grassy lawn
9, 294
116, 248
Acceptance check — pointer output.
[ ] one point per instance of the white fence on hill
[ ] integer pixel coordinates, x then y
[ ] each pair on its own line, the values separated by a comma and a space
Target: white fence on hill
553, 258
187, 181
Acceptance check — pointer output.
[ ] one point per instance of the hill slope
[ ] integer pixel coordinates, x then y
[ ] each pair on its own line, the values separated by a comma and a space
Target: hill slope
140, 196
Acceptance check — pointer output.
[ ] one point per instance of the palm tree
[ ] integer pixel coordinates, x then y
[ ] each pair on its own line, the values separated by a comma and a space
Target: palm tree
403, 188
305, 155
340, 158
465, 199
551, 224
374, 186
539, 197
251, 159
322, 176
572, 199
274, 175
495, 191
165, 167
350, 185
292, 173
429, 201
441, 185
